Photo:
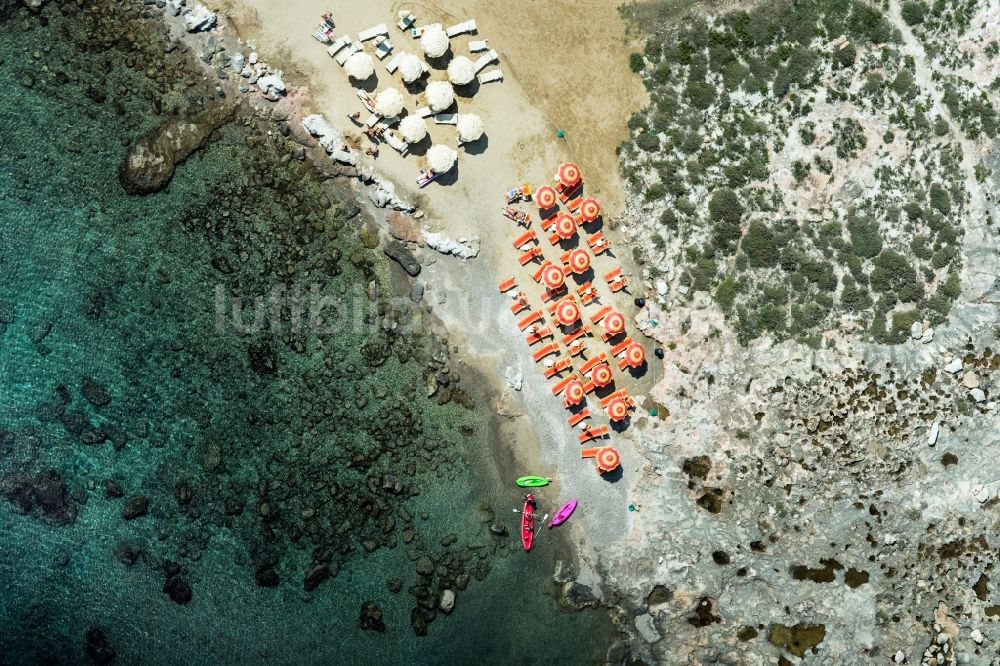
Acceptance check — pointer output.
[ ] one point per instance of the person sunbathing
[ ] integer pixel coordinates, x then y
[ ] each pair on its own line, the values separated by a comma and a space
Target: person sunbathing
372, 150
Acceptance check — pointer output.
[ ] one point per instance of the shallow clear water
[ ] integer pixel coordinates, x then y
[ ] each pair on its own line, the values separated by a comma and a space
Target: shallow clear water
252, 451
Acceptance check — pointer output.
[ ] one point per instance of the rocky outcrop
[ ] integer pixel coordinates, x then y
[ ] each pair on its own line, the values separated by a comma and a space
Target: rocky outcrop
463, 248
150, 162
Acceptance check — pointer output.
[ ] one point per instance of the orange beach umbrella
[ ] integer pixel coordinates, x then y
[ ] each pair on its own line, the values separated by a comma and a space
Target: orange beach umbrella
574, 392
635, 355
567, 312
608, 459
553, 276
569, 174
578, 260
545, 197
590, 210
617, 409
614, 323
565, 225
601, 374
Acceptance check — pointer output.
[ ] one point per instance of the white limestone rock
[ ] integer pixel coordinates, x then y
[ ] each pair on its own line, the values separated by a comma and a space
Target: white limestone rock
954, 367
462, 248
199, 19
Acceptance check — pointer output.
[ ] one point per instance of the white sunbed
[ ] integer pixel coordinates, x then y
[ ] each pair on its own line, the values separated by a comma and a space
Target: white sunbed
383, 48
485, 59
491, 76
477, 45
373, 32
446, 119
393, 64
386, 123
337, 45
459, 28
372, 119
323, 34
406, 20
395, 142
342, 57
424, 112
417, 33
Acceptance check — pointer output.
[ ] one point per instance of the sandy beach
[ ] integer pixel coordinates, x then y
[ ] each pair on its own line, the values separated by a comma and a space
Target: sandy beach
589, 97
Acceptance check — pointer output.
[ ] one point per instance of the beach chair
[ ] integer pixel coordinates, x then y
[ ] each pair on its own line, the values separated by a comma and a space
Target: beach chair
555, 239
530, 256
574, 205
620, 393
575, 419
484, 60
557, 367
424, 112
446, 118
406, 20
475, 46
461, 28
371, 120
518, 216
552, 294
598, 243
396, 142
621, 347
383, 48
539, 335
567, 193
592, 363
507, 285
367, 99
373, 32
393, 64
342, 57
577, 348
337, 45
491, 76
589, 387
600, 314
532, 318
537, 275
524, 239
572, 336
595, 432
561, 385
551, 348
324, 34
616, 280
547, 222
587, 292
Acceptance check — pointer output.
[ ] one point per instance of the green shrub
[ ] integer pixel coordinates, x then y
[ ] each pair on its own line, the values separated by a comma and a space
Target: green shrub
913, 12
800, 170
771, 318
704, 274
894, 275
903, 86
940, 126
759, 245
939, 198
700, 94
725, 206
655, 192
850, 138
725, 293
807, 133
820, 273
648, 141
951, 288
844, 58
668, 218
865, 237
636, 63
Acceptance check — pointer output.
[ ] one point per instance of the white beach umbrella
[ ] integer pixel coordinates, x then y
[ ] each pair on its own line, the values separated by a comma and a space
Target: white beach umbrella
413, 129
440, 95
389, 103
470, 127
441, 158
360, 66
461, 71
410, 68
434, 42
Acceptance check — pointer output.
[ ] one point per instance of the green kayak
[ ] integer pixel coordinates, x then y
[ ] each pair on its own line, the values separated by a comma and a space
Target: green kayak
532, 481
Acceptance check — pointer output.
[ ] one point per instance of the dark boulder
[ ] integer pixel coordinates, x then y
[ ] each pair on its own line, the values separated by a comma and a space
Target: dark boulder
96, 647
315, 575
267, 576
94, 392
402, 255
370, 618
43, 494
178, 590
135, 507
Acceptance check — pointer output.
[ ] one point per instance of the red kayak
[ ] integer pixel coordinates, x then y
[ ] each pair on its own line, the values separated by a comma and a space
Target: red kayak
528, 522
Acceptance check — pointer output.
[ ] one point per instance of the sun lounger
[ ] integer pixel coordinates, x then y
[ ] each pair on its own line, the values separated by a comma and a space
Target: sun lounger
575, 335
537, 275
539, 335
383, 48
530, 255
575, 419
475, 46
406, 20
373, 32
589, 434
621, 347
324, 35
518, 216
620, 393
371, 120
520, 305
393, 64
396, 142
425, 177
484, 60
561, 385
507, 285
573, 205
547, 222
342, 57
461, 28
619, 285
555, 239
559, 366
577, 347
418, 32
367, 99
524, 238
446, 118
340, 43
614, 272
600, 314
386, 123
552, 294
424, 112
566, 193
598, 243
587, 292
491, 76
550, 348
532, 318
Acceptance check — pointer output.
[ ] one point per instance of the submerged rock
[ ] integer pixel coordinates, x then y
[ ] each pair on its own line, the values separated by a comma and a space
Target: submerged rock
135, 507
267, 577
370, 617
43, 494
96, 647
178, 590
399, 253
315, 575
149, 164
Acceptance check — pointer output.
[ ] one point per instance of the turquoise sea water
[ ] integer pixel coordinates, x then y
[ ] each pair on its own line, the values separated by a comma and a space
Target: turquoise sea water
255, 453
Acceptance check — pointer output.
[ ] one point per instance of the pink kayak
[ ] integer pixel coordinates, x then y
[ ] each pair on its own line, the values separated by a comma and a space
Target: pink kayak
563, 514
